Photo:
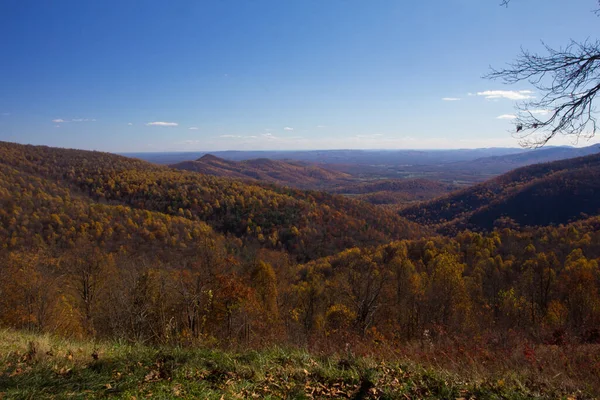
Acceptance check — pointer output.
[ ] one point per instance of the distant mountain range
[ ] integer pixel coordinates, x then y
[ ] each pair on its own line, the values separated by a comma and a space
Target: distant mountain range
364, 157
486, 167
463, 167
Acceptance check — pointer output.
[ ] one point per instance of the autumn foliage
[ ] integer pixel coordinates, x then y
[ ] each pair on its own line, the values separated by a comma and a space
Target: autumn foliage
97, 245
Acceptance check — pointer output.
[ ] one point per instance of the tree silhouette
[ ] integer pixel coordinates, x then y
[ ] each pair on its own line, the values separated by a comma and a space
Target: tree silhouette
568, 79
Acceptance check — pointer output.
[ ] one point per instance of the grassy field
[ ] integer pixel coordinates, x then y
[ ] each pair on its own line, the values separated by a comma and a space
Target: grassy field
43, 366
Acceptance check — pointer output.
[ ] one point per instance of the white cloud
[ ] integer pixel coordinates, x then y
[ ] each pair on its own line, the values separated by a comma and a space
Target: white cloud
507, 94
538, 112
451, 98
5, 114
161, 123
243, 136
269, 136
191, 142
287, 128
373, 135
506, 116
321, 126
60, 120
129, 124
193, 128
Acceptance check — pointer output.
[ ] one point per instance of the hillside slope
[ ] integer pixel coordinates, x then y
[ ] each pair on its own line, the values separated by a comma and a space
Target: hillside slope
307, 224
286, 173
395, 191
540, 194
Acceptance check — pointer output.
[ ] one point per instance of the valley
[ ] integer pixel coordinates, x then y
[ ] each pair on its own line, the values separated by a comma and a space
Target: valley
102, 246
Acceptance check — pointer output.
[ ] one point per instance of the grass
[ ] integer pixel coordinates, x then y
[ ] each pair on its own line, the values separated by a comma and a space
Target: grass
43, 366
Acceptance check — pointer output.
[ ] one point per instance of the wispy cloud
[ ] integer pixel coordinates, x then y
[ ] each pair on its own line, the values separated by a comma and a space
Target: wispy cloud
451, 98
129, 124
5, 114
506, 116
507, 94
270, 136
193, 128
538, 112
370, 136
287, 128
161, 123
321, 126
240, 136
191, 142
60, 120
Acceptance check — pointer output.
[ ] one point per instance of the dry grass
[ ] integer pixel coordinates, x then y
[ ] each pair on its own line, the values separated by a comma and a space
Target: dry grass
43, 366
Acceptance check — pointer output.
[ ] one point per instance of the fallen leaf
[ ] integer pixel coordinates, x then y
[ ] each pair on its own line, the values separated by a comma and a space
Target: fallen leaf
152, 376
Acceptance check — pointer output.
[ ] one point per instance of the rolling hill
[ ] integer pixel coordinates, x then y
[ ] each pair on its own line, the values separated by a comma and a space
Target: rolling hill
294, 174
540, 194
304, 223
397, 192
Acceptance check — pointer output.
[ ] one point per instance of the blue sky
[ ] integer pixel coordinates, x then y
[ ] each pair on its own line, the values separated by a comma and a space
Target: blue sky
284, 74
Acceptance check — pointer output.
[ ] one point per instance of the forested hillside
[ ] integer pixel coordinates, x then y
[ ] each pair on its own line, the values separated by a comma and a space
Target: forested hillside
395, 192
537, 195
307, 224
294, 174
102, 246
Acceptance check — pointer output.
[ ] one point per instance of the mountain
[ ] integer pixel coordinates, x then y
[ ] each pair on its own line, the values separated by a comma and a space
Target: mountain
540, 194
72, 183
294, 174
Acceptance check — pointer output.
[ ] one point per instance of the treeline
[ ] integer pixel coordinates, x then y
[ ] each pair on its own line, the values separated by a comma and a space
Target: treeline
542, 284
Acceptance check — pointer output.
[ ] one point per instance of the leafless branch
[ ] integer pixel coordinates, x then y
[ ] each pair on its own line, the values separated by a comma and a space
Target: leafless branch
568, 79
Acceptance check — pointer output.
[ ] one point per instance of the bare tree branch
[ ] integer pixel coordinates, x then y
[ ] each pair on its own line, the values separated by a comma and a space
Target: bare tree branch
569, 81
